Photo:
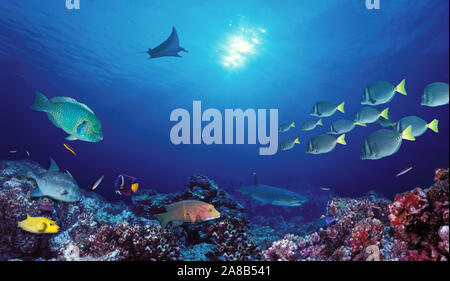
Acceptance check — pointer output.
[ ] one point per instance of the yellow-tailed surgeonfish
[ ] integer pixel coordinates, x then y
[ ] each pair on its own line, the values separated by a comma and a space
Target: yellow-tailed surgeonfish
435, 94
383, 143
381, 92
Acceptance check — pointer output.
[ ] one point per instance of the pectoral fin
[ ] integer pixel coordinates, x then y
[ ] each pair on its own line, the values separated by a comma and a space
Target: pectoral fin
42, 227
71, 138
82, 128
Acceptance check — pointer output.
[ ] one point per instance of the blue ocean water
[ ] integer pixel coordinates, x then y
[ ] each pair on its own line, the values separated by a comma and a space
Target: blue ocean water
301, 52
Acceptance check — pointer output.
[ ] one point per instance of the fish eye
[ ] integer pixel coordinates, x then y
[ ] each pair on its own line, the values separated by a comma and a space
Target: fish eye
210, 210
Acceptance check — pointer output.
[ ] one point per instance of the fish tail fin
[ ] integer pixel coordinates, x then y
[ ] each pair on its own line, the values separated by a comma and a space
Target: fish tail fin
433, 125
135, 187
385, 113
341, 107
296, 141
360, 124
163, 219
407, 134
401, 88
41, 103
341, 139
293, 124
319, 122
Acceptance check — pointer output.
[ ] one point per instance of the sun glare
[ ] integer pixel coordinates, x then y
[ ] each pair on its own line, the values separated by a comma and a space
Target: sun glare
241, 46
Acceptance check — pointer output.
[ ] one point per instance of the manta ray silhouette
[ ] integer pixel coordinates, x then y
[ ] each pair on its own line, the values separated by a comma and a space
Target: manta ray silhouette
169, 48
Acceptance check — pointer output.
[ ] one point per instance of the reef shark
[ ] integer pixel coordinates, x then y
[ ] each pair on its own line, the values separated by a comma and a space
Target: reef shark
169, 48
272, 195
54, 184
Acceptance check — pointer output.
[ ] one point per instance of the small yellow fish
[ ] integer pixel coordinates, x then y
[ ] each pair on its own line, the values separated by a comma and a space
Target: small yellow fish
376, 207
332, 237
38, 225
70, 149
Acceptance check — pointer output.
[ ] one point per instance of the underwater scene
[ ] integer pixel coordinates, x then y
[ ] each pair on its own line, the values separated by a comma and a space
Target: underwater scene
231, 130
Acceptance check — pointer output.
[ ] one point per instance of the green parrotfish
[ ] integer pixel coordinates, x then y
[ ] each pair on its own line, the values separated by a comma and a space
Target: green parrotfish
75, 118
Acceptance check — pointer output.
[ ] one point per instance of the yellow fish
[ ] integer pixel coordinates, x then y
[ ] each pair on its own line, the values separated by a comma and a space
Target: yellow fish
70, 149
38, 225
188, 211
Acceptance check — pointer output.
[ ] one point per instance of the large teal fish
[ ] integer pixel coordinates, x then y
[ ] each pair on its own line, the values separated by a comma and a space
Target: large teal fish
272, 195
75, 118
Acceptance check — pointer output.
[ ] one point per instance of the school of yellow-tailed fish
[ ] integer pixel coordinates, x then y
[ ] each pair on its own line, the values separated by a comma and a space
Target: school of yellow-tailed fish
381, 143
80, 123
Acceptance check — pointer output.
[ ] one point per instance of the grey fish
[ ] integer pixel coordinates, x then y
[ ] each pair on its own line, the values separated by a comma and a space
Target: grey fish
383, 143
285, 127
381, 92
324, 143
54, 184
419, 126
169, 48
272, 195
435, 94
311, 125
343, 126
289, 144
326, 109
368, 115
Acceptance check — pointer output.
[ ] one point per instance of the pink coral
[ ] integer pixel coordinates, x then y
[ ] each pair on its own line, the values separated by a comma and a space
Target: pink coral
420, 218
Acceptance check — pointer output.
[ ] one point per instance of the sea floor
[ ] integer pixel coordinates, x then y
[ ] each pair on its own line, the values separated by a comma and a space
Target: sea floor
412, 227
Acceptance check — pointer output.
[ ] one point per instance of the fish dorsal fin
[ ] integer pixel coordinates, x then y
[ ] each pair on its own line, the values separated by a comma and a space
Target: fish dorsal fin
86, 107
53, 166
63, 99
71, 100
28, 216
256, 179
173, 206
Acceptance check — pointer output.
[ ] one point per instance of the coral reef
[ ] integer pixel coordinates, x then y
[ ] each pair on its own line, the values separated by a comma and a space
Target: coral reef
420, 218
363, 229
414, 226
